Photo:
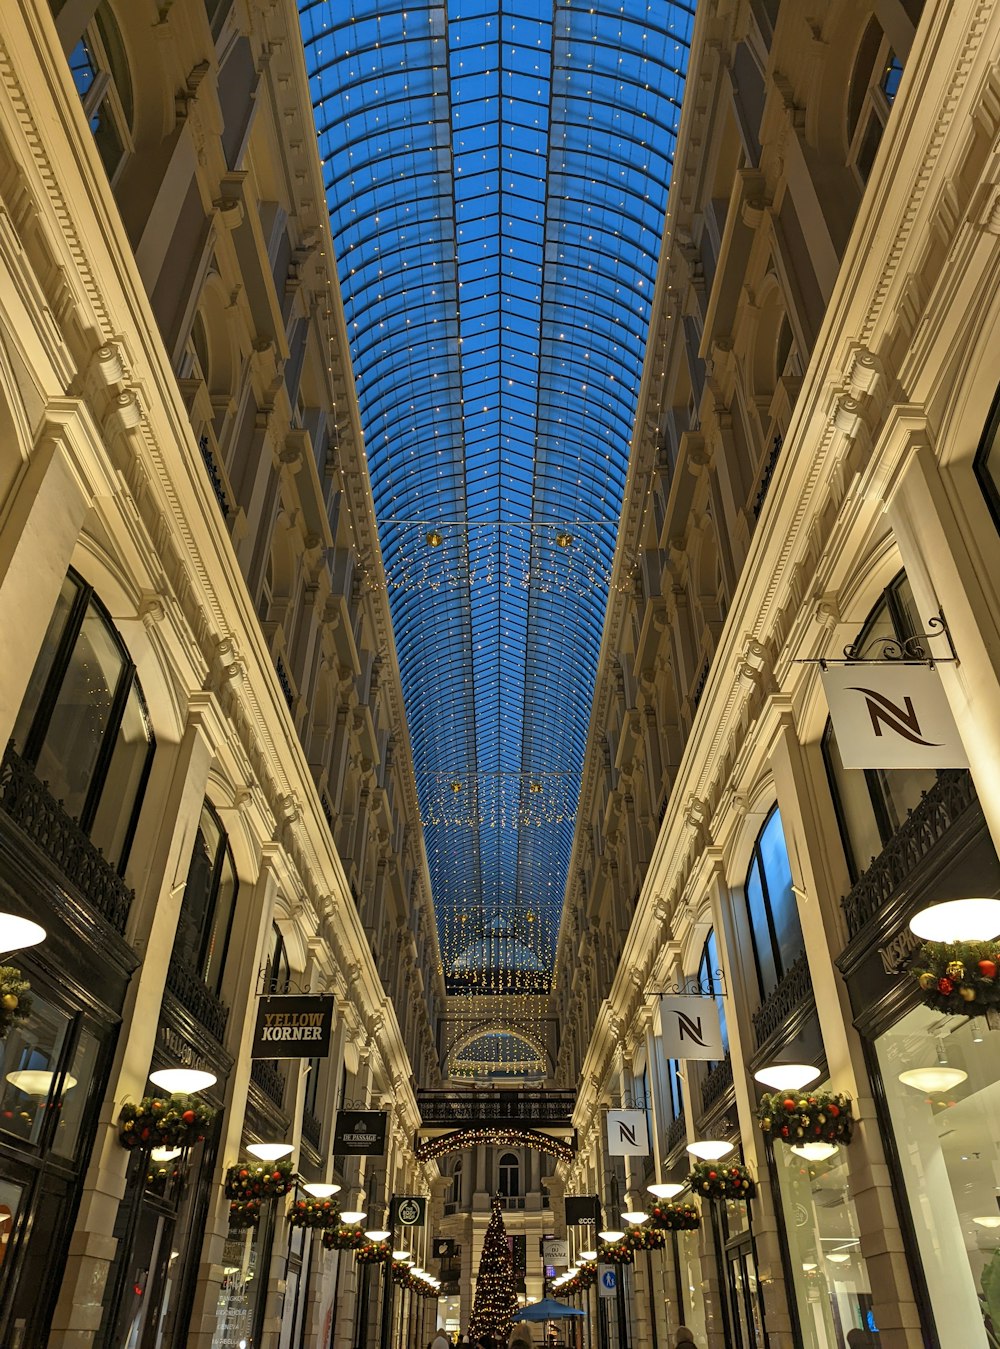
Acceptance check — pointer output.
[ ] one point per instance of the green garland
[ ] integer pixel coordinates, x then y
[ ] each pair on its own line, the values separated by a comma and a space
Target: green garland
318, 1213
15, 1005
164, 1122
269, 1180
675, 1217
647, 1238
615, 1252
345, 1238
807, 1117
580, 1282
401, 1275
715, 1181
243, 1213
961, 977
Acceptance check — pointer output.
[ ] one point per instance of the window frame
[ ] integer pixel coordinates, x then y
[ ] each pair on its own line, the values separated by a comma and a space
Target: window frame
988, 485
875, 101
508, 1164
128, 680
103, 96
757, 860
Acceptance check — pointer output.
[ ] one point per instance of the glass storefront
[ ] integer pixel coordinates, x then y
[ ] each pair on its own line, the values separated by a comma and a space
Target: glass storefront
832, 1291
946, 1129
692, 1281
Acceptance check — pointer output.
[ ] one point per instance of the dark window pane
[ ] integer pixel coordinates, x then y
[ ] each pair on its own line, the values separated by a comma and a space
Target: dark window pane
81, 1070
781, 897
124, 779
31, 1054
760, 932
861, 76
891, 76
854, 802
81, 714
869, 145
43, 665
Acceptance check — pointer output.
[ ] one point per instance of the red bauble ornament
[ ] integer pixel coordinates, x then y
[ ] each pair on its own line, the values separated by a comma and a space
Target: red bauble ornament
833, 1110
988, 969
789, 1105
189, 1117
945, 986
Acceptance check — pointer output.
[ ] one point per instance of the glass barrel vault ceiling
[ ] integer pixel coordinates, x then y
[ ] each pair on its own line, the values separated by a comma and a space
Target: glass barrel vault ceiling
496, 174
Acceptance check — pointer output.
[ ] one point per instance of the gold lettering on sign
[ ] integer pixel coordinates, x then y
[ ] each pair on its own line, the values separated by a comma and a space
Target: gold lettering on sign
896, 952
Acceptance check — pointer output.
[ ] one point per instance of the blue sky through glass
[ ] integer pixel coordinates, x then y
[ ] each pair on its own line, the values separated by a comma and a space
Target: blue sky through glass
496, 173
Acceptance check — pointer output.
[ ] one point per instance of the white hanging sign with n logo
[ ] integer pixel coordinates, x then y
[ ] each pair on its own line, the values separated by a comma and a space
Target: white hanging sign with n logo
627, 1133
690, 1027
892, 716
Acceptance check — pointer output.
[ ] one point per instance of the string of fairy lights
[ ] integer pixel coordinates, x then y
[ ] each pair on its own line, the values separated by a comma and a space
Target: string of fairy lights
497, 249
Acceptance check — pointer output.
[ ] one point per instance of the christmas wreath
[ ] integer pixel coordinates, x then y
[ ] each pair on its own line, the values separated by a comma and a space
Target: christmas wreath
675, 1217
344, 1238
715, 1181
580, 1282
164, 1122
961, 977
244, 1213
374, 1252
647, 1238
15, 1005
615, 1252
321, 1213
813, 1117
269, 1180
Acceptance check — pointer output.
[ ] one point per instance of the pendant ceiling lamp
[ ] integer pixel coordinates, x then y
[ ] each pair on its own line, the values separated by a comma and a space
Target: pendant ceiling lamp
710, 1149
787, 1076
183, 1080
269, 1152
958, 920
17, 932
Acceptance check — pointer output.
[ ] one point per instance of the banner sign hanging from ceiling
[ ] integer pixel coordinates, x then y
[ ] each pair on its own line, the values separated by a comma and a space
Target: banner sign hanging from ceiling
892, 716
408, 1210
627, 1133
360, 1133
690, 1027
293, 1026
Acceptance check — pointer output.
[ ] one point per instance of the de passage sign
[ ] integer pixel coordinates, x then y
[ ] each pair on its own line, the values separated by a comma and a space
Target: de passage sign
293, 1026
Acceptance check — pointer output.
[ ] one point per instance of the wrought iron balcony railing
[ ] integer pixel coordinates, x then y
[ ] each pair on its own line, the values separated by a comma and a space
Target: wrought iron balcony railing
924, 827
677, 1132
36, 812
456, 1109
792, 992
311, 1129
717, 1082
269, 1079
193, 993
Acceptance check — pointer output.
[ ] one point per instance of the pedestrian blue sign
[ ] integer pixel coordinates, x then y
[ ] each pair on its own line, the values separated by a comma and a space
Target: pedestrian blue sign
608, 1281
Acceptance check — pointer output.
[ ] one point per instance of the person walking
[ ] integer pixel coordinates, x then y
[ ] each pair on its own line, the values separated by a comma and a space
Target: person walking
440, 1341
685, 1338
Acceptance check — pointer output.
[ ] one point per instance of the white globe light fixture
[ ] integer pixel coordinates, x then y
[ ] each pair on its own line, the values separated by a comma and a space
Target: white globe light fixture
838, 1257
320, 1189
183, 1080
269, 1152
588, 1255
938, 1078
165, 1154
958, 920
400, 1254
635, 1216
611, 1234
711, 1149
38, 1081
352, 1216
993, 1220
378, 1234
787, 1076
17, 933
815, 1152
665, 1190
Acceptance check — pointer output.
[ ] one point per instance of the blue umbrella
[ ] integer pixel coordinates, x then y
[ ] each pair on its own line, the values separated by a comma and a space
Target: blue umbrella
547, 1310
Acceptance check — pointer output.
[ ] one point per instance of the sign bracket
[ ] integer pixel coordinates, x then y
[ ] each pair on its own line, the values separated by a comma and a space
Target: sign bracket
892, 651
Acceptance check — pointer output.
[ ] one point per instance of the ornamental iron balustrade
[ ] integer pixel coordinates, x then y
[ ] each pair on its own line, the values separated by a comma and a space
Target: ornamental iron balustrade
36, 812
793, 990
552, 1109
311, 1128
718, 1081
191, 990
940, 807
699, 687
269, 1079
285, 682
766, 476
215, 477
677, 1132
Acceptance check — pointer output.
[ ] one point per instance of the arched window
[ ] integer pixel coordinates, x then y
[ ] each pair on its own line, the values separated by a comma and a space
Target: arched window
509, 1176
456, 1184
101, 74
675, 1088
209, 903
873, 87
83, 726
775, 932
710, 983
872, 803
279, 971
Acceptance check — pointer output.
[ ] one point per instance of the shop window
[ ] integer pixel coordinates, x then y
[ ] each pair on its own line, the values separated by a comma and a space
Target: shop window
775, 932
827, 1269
987, 461
872, 803
83, 726
948, 1149
509, 1176
710, 982
101, 74
874, 83
209, 903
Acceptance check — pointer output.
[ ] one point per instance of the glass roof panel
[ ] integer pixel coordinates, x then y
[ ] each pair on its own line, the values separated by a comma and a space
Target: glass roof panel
497, 173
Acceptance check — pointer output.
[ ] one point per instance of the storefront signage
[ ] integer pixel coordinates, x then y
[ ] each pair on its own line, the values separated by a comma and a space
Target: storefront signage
555, 1252
583, 1210
444, 1248
690, 1027
892, 716
290, 1026
896, 953
409, 1210
627, 1133
360, 1133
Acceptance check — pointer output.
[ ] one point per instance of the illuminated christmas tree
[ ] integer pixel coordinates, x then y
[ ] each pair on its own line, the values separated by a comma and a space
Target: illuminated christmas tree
495, 1302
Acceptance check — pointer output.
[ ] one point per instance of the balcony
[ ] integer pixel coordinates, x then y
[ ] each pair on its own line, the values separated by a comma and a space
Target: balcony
923, 829
270, 1081
718, 1082
767, 473
193, 993
30, 805
468, 1109
794, 991
676, 1133
311, 1128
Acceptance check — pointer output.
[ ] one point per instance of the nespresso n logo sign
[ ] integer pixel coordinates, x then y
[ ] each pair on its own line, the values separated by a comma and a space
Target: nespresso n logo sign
902, 721
896, 953
897, 717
